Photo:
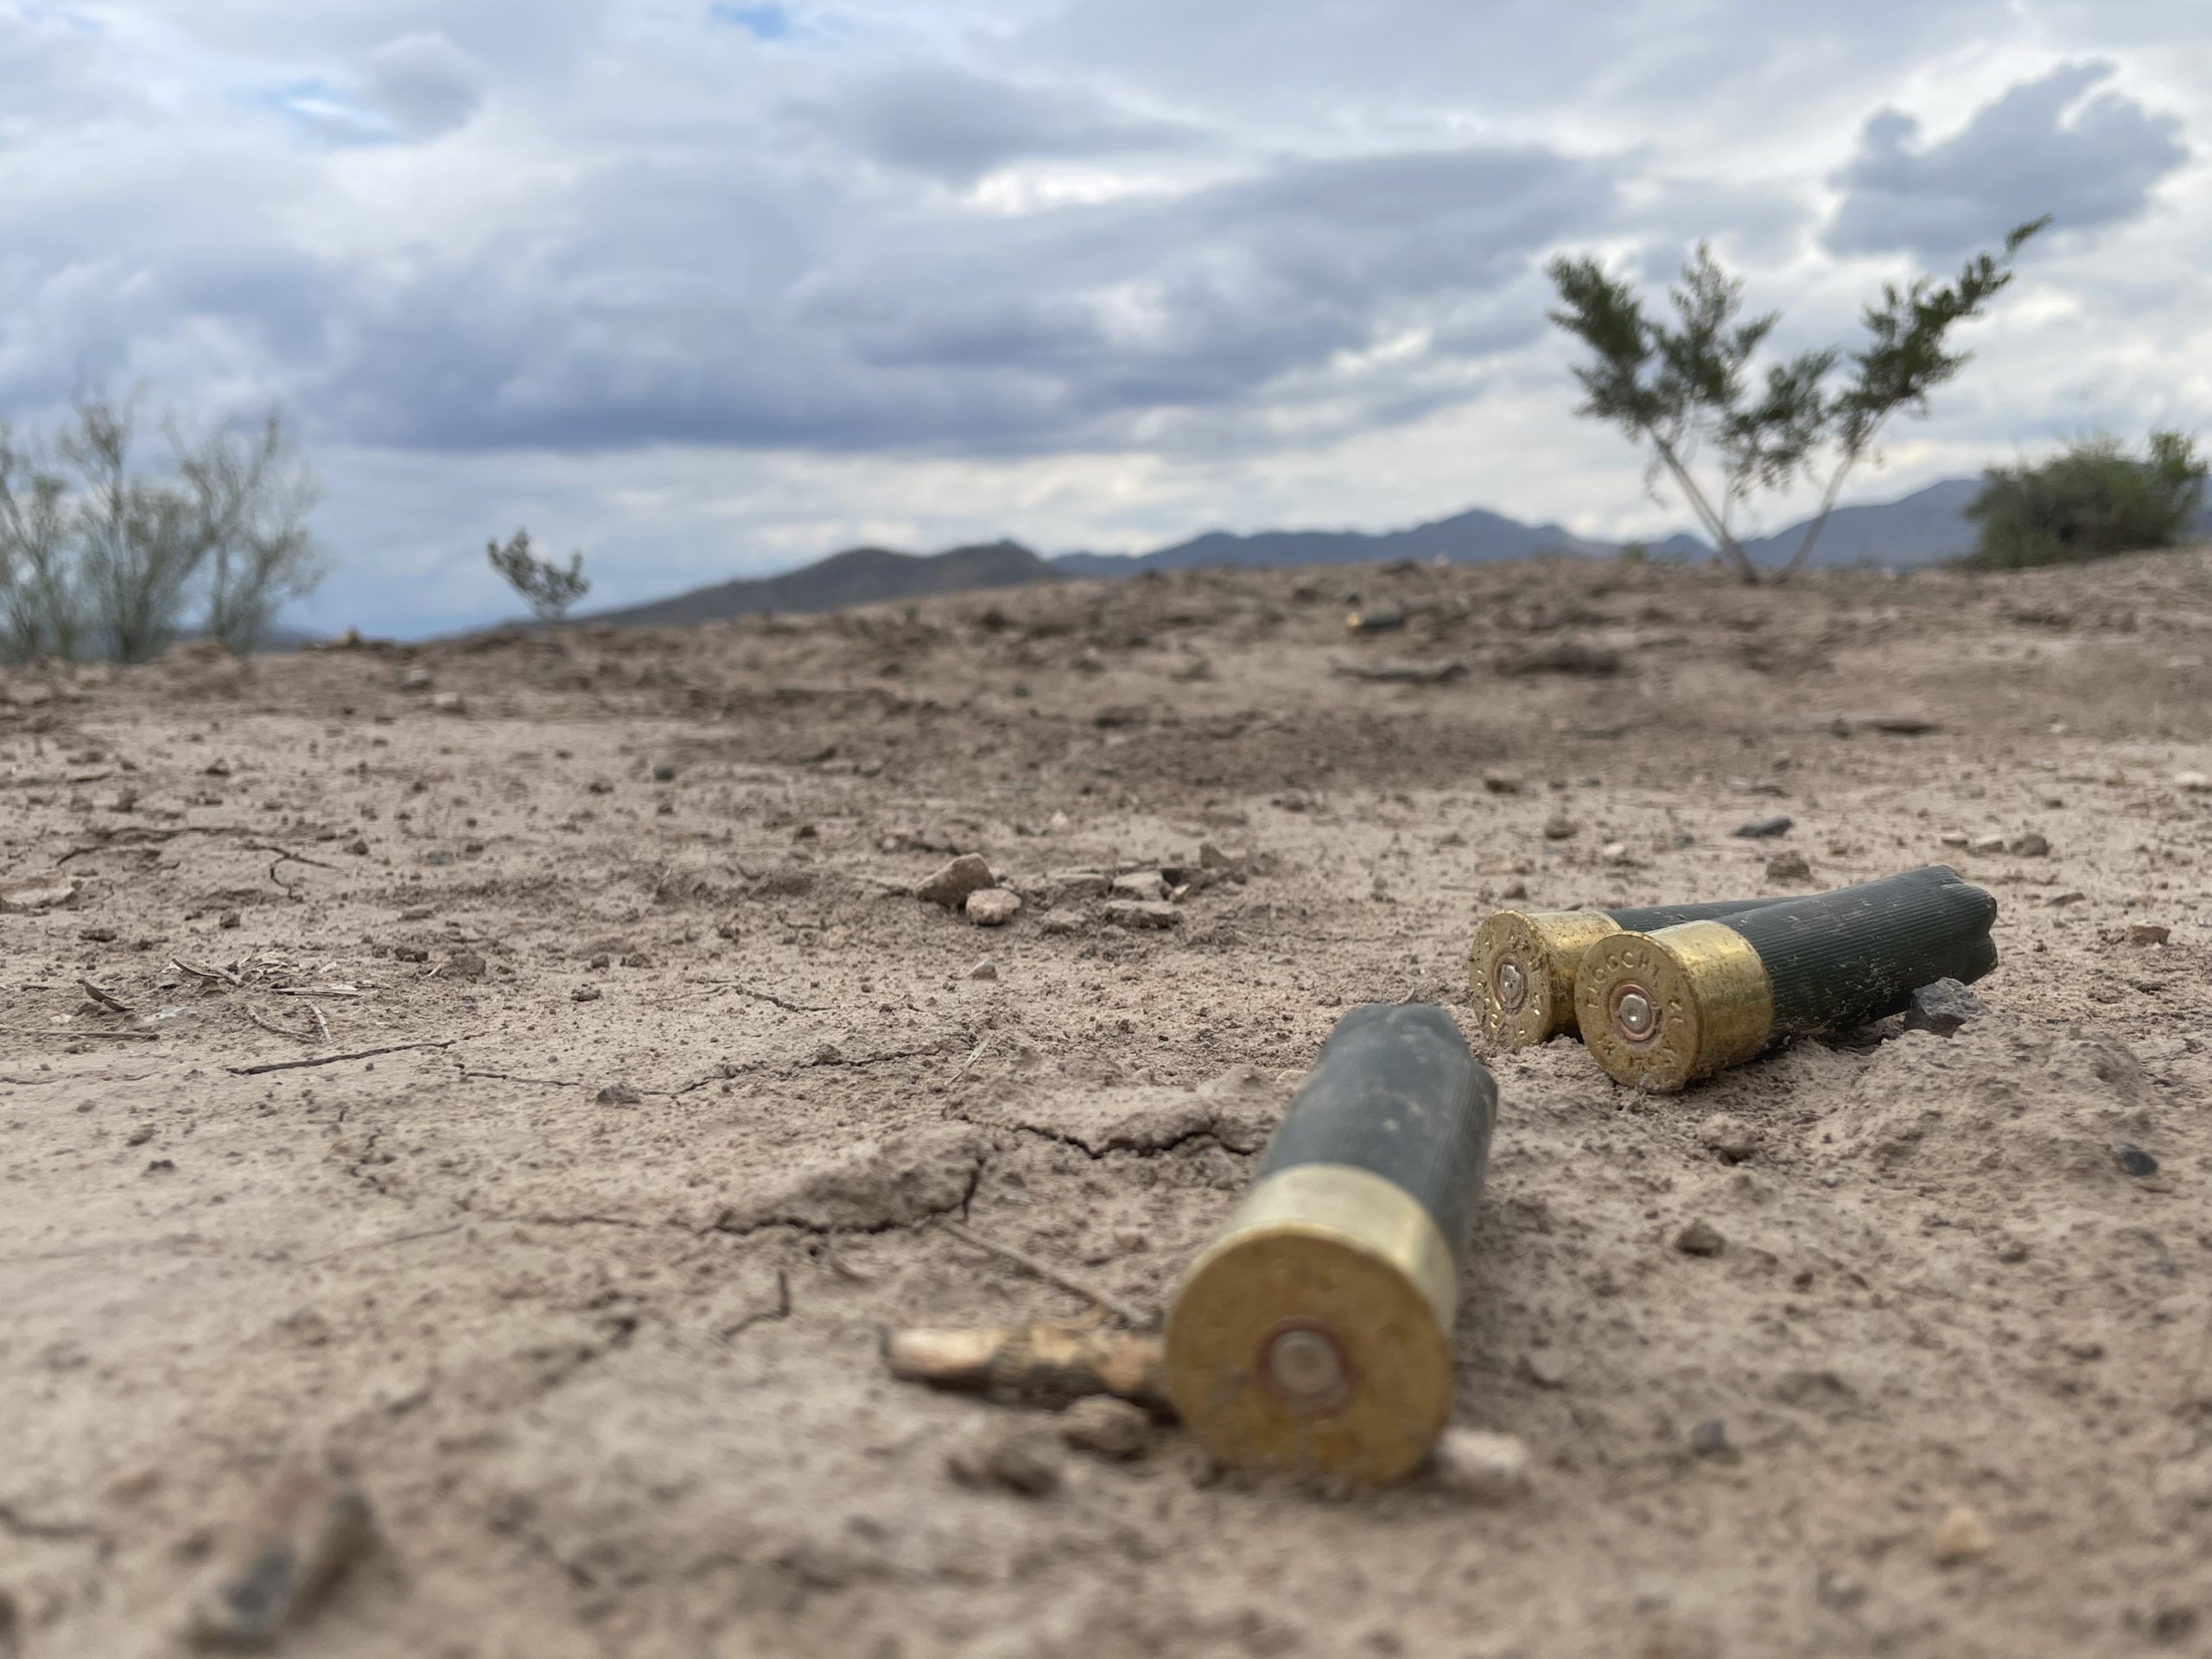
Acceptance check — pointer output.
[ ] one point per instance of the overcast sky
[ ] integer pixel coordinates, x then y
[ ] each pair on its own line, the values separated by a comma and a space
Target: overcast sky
706, 289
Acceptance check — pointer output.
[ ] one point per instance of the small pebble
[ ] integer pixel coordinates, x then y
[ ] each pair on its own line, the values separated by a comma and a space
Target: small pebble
1129, 1238
1730, 1138
1988, 845
1144, 885
1701, 1237
463, 965
1487, 1468
1135, 915
1961, 1536
449, 703
231, 919
618, 1094
2138, 933
1560, 827
2031, 845
585, 994
665, 773
1544, 1369
2133, 1160
1710, 1439
1766, 828
1941, 1008
1498, 784
2195, 782
1108, 1427
1017, 1458
984, 970
993, 907
1788, 867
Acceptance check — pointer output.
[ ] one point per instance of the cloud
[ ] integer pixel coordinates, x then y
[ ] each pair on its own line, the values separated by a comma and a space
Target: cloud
956, 125
423, 85
788, 318
2055, 145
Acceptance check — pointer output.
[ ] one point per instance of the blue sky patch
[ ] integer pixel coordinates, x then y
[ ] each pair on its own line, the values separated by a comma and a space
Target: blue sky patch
767, 23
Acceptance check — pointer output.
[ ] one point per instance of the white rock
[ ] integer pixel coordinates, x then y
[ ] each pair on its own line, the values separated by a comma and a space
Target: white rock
993, 907
1488, 1468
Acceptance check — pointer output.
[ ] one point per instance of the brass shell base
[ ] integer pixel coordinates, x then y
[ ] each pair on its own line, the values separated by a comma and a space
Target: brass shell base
1709, 1002
1337, 1250
1546, 948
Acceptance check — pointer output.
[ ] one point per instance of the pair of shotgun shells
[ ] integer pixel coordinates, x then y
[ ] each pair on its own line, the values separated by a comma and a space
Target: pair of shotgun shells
1656, 1009
1663, 997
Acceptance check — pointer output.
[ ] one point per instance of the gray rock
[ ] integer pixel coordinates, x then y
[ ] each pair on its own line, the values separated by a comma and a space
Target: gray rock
1107, 1427
1134, 916
1765, 828
950, 886
1701, 1238
1941, 1008
2133, 1160
1710, 1439
1788, 867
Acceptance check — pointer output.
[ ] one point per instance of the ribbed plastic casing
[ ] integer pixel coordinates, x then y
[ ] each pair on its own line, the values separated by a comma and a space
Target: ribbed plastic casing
1396, 1092
1658, 915
1843, 958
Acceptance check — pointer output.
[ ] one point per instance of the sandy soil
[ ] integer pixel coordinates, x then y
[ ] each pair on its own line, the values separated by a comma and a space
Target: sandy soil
584, 1287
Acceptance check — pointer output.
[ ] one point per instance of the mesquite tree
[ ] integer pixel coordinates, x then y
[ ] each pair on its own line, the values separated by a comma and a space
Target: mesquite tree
545, 587
1688, 388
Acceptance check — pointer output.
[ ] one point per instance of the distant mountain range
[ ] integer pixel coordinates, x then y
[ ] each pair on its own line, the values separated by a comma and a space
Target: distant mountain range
861, 576
1926, 527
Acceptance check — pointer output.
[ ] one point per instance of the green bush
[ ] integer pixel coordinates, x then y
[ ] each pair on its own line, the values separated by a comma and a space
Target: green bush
2090, 502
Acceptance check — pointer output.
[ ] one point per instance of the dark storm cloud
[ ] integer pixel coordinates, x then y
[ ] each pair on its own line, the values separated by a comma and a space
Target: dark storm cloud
2056, 145
783, 324
956, 126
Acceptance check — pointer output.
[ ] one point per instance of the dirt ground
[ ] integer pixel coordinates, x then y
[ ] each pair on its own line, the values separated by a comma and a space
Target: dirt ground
582, 1279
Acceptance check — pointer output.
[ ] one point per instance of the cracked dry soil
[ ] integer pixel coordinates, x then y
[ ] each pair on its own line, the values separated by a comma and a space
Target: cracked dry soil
665, 1086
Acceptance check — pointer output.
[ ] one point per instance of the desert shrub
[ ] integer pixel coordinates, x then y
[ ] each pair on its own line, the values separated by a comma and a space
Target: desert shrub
547, 588
2090, 501
101, 555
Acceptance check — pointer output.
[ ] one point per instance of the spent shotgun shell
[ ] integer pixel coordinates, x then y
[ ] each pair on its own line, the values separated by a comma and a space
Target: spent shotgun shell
1660, 1010
1313, 1333
1520, 972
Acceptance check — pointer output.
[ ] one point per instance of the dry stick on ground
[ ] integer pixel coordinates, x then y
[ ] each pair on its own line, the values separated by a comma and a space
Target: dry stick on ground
332, 1059
64, 1030
1128, 1312
759, 996
281, 1031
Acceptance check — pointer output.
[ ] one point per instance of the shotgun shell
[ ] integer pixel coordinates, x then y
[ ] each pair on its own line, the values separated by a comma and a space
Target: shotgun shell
1660, 1010
1314, 1331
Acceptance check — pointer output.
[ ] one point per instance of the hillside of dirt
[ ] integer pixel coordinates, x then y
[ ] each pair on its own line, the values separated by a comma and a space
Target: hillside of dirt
666, 1093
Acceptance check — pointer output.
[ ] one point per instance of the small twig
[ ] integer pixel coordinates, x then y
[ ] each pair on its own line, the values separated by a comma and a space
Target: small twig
380, 1243
317, 990
104, 997
202, 971
61, 1030
974, 1055
331, 1059
285, 855
322, 1024
281, 1031
761, 997
1127, 1312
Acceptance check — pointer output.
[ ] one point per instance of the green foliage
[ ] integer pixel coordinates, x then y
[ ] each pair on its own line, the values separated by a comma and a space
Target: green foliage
2090, 502
545, 587
99, 556
1635, 553
1690, 386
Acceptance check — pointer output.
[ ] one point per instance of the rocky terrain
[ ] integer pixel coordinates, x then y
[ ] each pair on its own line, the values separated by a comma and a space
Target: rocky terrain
515, 1081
